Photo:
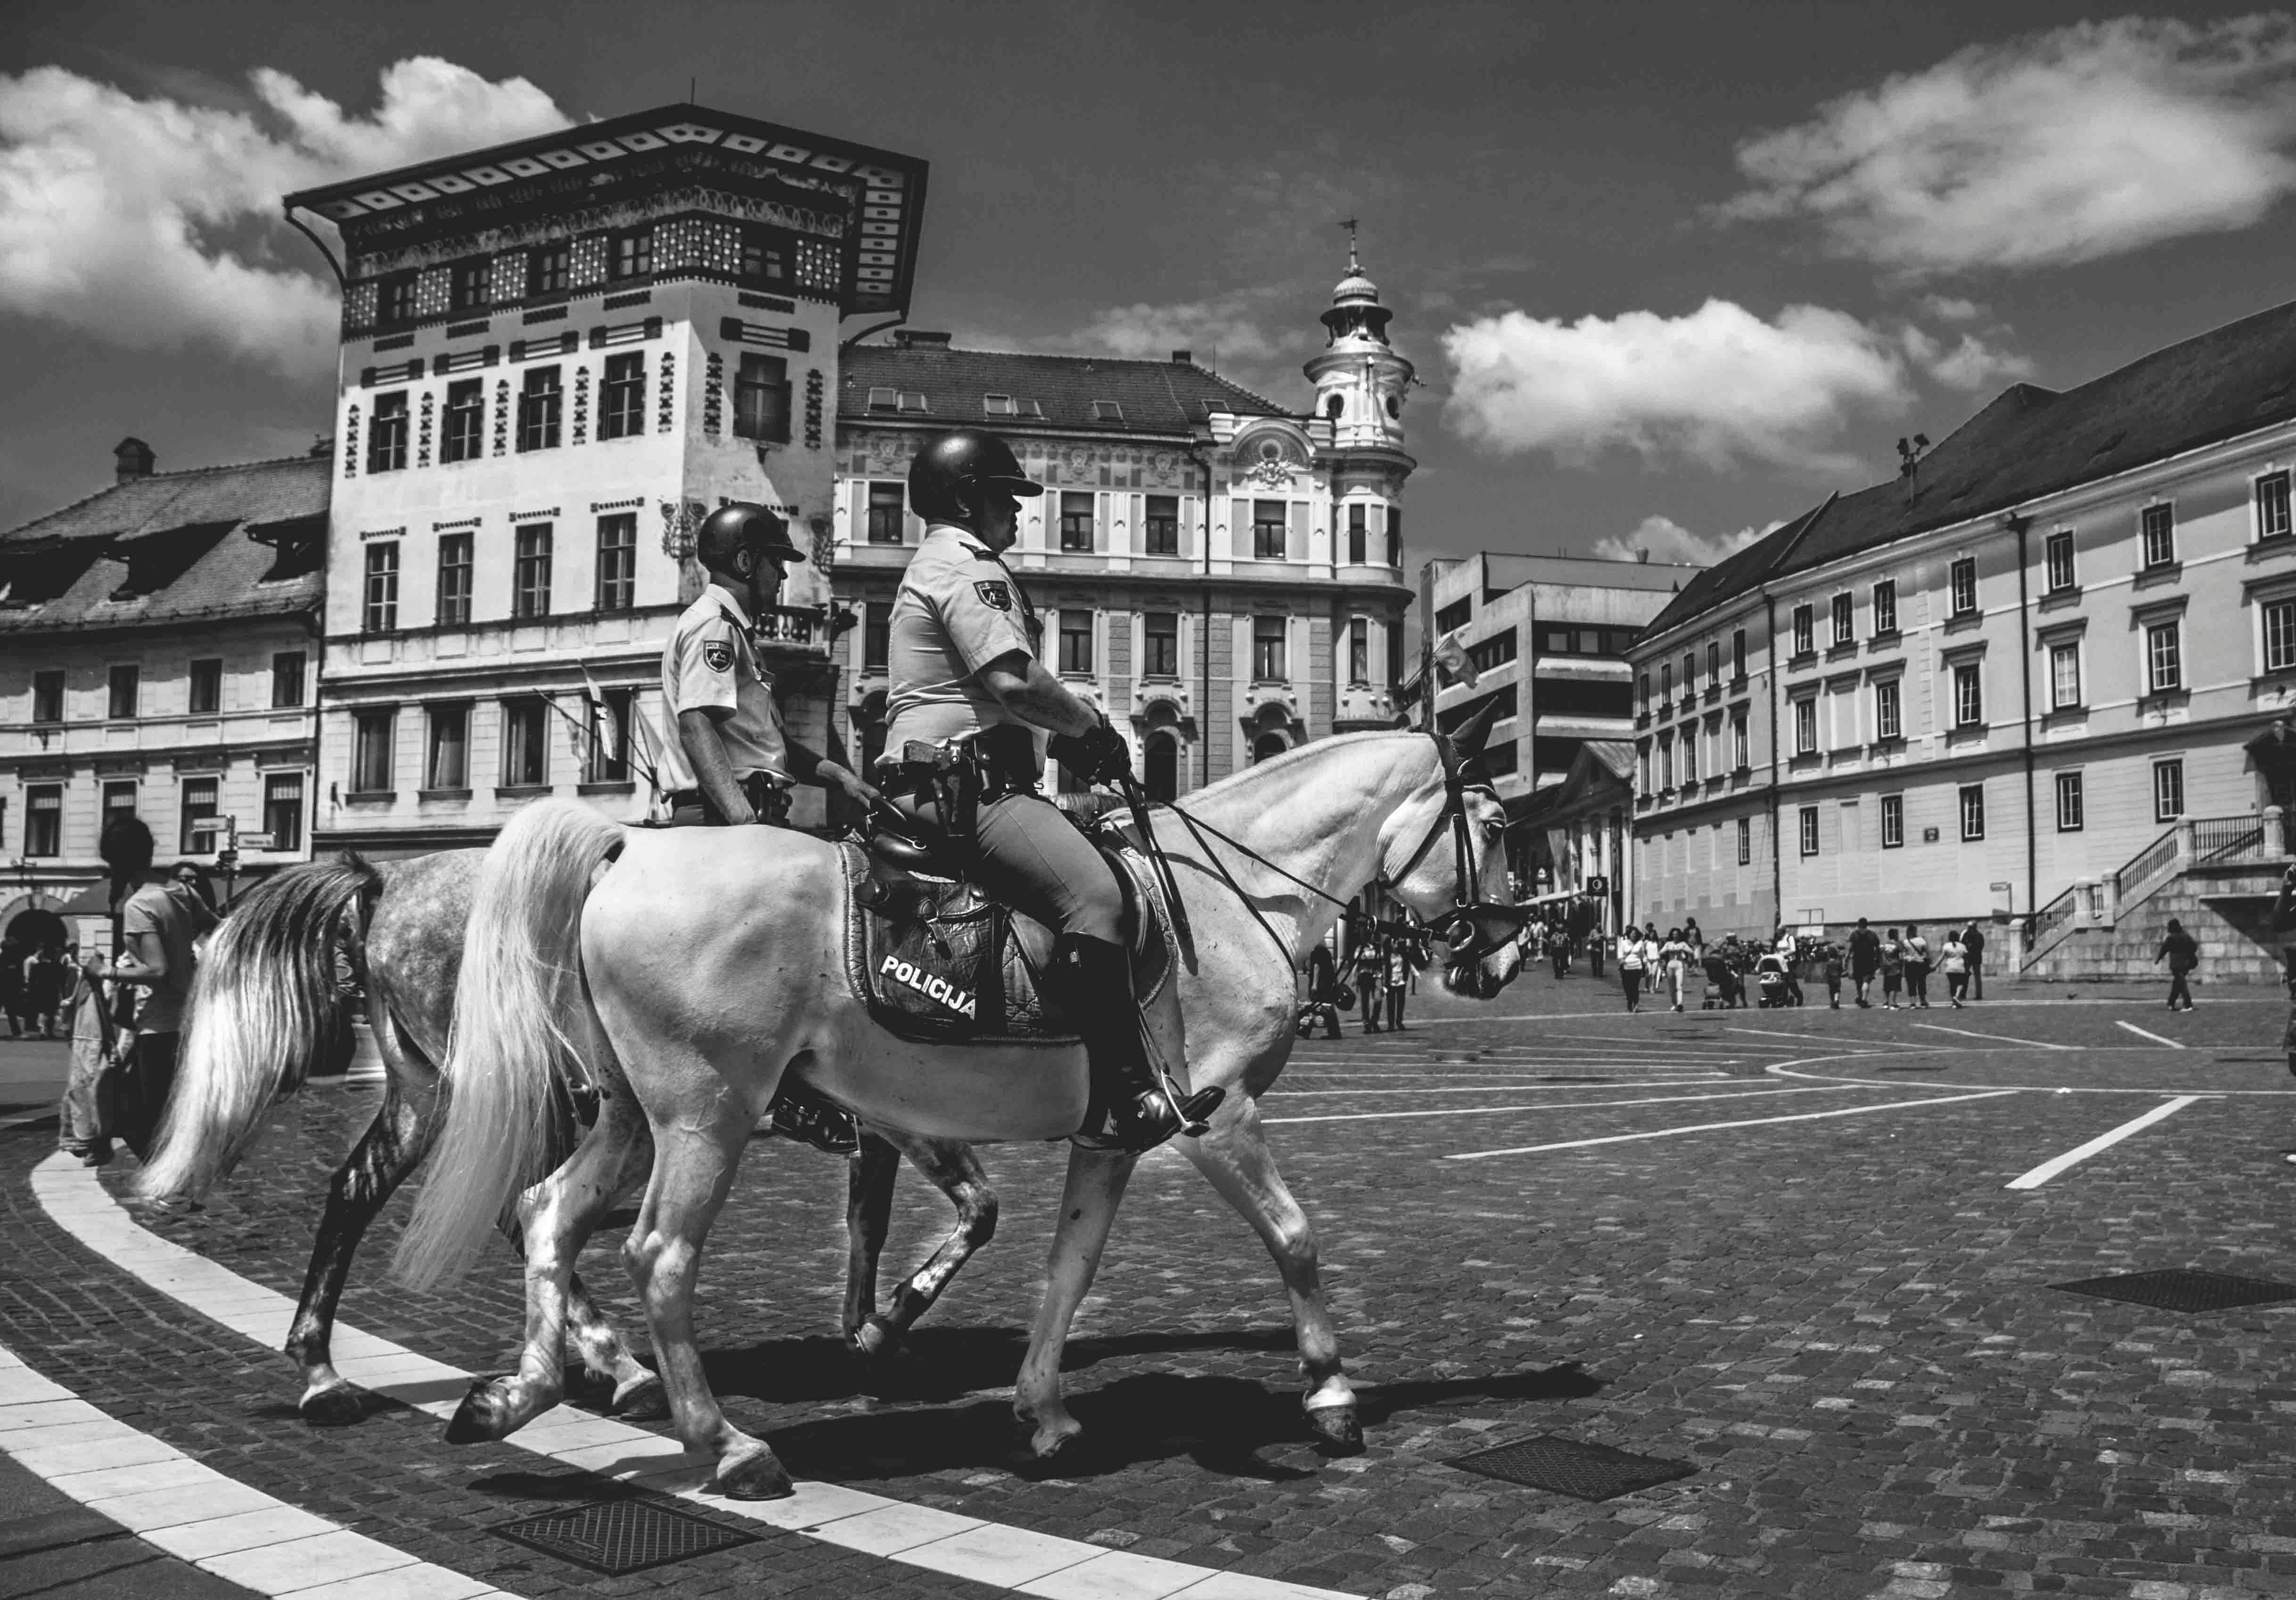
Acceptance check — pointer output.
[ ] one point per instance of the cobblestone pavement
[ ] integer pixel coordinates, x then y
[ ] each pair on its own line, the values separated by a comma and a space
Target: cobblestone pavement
1845, 1322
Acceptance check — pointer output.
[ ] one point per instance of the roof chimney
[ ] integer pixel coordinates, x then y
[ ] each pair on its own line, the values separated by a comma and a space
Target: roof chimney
132, 459
1183, 358
917, 339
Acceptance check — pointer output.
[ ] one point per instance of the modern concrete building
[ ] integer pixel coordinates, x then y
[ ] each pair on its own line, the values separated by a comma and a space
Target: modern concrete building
1546, 638
158, 651
2032, 680
558, 356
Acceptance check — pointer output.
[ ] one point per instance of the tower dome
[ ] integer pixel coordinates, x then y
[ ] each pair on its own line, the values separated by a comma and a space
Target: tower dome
1356, 313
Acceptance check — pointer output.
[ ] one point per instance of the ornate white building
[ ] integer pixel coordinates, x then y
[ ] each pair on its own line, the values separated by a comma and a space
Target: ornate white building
1223, 576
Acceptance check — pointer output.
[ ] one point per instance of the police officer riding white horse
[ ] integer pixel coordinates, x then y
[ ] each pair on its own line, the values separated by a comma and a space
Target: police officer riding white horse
969, 694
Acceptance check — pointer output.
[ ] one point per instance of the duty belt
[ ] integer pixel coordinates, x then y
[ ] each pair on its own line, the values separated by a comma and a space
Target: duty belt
767, 796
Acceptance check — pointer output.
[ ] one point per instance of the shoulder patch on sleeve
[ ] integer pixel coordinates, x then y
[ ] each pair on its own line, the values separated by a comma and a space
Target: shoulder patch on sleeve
995, 594
717, 655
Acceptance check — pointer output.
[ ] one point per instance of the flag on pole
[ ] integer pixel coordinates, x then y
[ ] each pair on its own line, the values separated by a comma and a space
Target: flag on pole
1451, 656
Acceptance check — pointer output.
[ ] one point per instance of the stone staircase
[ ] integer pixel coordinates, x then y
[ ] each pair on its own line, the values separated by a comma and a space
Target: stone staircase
2217, 875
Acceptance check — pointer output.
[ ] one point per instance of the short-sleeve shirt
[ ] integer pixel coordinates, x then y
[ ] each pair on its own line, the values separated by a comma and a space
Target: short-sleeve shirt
958, 609
710, 663
151, 910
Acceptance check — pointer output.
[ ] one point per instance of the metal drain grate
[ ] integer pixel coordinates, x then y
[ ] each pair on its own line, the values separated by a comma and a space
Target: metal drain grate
1567, 1466
2181, 1289
614, 1537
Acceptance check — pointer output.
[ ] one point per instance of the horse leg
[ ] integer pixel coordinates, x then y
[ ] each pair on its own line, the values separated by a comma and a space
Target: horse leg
557, 1216
870, 1173
692, 1169
392, 1147
1095, 1186
637, 1392
1234, 1156
957, 1173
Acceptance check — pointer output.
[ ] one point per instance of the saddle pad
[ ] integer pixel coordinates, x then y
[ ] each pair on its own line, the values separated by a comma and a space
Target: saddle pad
939, 962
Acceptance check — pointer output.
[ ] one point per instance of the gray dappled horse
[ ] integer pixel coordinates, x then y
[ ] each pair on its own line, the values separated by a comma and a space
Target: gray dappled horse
683, 973
270, 1004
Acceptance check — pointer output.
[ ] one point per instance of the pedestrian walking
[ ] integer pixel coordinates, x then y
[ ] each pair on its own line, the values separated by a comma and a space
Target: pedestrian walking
1917, 969
1830, 961
1893, 969
1370, 962
1955, 957
1595, 943
12, 985
1401, 961
1635, 954
1324, 990
2183, 955
1692, 937
1865, 961
1674, 962
1720, 981
1973, 939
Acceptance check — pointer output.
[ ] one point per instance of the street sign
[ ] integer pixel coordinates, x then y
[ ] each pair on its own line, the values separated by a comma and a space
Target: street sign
255, 841
1598, 886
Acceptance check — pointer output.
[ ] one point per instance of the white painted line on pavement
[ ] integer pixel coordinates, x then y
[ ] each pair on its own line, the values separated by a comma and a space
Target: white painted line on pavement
919, 1536
1800, 1117
194, 1511
22, 1119
1911, 1044
1509, 1089
2103, 1141
1738, 1094
2037, 1044
2155, 1038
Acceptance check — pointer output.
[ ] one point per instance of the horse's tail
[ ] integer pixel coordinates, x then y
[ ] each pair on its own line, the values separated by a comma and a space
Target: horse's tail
523, 1031
268, 1006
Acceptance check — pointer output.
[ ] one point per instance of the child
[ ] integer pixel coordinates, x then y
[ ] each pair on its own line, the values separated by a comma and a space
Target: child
1833, 971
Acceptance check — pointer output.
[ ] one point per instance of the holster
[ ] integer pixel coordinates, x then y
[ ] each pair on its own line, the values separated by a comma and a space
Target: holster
961, 776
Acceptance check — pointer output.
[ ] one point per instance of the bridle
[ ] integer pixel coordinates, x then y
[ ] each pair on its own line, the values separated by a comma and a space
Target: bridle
1468, 927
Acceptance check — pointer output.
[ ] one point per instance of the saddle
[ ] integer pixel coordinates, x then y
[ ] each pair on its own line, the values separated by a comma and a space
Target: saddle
937, 961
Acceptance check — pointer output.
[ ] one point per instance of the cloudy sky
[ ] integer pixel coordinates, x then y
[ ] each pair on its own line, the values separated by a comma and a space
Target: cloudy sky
1669, 271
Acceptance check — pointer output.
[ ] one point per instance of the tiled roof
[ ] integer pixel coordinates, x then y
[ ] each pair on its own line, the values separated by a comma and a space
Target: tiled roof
170, 547
1157, 396
2031, 442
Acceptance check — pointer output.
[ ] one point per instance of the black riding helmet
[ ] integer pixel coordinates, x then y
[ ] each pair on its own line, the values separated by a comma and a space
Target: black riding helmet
731, 529
948, 474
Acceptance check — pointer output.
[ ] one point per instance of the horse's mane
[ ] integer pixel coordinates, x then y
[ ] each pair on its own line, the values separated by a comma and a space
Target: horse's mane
1245, 776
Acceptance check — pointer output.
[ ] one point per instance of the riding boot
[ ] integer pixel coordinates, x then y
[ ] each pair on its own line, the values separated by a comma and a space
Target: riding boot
1130, 1109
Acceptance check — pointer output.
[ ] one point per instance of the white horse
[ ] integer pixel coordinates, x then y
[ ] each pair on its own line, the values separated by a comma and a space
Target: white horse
683, 973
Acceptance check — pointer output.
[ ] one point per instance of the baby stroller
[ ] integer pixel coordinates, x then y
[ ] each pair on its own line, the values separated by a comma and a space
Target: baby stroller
1770, 973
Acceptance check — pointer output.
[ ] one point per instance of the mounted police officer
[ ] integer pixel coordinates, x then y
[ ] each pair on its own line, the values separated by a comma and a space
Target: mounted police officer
961, 656
731, 762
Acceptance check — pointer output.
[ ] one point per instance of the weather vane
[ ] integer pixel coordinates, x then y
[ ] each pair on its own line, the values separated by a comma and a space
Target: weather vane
1350, 226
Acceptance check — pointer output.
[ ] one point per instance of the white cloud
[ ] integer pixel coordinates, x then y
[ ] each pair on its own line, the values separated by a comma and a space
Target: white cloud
2059, 147
1952, 308
1235, 324
1971, 365
1719, 385
154, 223
1668, 541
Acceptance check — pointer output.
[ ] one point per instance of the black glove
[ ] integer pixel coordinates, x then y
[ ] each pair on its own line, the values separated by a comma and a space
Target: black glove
1097, 756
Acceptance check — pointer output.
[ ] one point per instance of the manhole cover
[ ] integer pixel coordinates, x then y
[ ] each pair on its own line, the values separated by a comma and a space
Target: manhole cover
1567, 1466
614, 1537
2181, 1289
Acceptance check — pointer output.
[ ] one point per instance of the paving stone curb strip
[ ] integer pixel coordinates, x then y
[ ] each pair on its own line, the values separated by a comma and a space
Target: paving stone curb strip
274, 1549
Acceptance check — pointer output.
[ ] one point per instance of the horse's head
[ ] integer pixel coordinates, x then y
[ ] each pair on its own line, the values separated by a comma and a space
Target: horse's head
1446, 851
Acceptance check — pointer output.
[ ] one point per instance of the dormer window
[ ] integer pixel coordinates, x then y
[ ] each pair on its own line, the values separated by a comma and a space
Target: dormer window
394, 300
1029, 408
1107, 410
882, 399
999, 405
914, 400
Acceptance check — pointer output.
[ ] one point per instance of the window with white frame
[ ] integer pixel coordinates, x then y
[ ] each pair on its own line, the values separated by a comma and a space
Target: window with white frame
1689, 757
1804, 631
1713, 664
1738, 741
1961, 586
2064, 676
1893, 821
1809, 830
1889, 709
1972, 811
1845, 620
2069, 802
1642, 691
2279, 623
2272, 518
1738, 655
2167, 789
1641, 769
1745, 840
2164, 658
2159, 536
1968, 694
2057, 552
1885, 605
1806, 727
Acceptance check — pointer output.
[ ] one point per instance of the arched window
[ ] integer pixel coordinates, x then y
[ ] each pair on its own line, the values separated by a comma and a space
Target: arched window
1160, 765
1268, 745
1333, 406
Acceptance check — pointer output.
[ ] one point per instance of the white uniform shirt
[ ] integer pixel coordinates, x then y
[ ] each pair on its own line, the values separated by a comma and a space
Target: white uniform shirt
710, 662
957, 611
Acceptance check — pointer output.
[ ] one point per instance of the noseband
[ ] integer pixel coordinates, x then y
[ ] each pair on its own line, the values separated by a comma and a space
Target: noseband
1467, 925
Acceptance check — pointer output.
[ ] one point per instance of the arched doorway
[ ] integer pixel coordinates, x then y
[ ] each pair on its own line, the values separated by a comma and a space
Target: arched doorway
1268, 745
36, 928
1160, 766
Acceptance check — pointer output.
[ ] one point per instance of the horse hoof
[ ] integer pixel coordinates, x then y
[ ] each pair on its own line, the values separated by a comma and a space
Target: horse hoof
642, 1399
1047, 1444
483, 1416
333, 1407
1338, 1431
873, 1339
759, 1477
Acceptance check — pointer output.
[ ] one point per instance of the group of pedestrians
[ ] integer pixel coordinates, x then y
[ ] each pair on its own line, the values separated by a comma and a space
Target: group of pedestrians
1903, 963
1381, 966
33, 984
1771, 973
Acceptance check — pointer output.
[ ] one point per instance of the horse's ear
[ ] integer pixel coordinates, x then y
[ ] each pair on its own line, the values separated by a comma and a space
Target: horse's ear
1472, 733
